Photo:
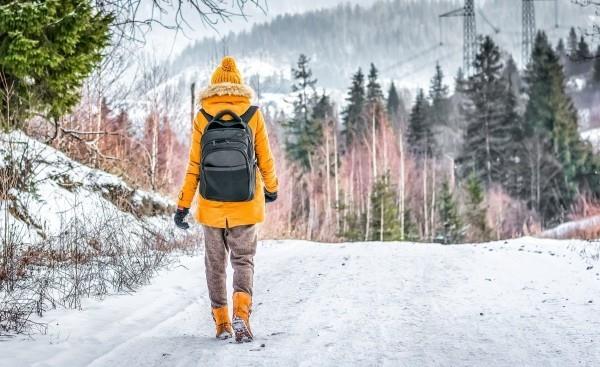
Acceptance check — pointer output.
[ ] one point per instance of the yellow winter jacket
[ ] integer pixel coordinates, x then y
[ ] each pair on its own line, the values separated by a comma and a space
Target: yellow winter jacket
234, 97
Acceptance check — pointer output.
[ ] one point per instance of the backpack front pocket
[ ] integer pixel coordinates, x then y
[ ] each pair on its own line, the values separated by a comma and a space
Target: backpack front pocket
227, 184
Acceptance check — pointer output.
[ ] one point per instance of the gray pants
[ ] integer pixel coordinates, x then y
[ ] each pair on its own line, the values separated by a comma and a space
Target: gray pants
241, 243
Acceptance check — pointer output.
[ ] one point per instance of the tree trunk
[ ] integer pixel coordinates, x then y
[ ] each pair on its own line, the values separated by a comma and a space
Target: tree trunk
327, 179
310, 191
154, 150
401, 186
291, 208
425, 211
336, 179
381, 224
432, 226
385, 152
374, 146
368, 222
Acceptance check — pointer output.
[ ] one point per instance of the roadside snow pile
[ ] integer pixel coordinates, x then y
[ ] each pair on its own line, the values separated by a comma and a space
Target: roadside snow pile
593, 136
573, 229
70, 232
49, 191
576, 83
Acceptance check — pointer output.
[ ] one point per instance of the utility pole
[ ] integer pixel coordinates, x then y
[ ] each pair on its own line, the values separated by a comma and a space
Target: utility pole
467, 12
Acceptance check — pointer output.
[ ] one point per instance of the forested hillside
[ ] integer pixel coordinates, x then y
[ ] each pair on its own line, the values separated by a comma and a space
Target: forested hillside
401, 37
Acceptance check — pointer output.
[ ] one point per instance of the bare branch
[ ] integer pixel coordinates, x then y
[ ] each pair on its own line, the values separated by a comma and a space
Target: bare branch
133, 21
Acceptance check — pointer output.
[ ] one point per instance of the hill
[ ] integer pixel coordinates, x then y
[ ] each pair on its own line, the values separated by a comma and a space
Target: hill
402, 37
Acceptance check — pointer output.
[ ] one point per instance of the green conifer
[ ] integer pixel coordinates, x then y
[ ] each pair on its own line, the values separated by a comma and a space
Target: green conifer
476, 212
47, 49
450, 230
353, 118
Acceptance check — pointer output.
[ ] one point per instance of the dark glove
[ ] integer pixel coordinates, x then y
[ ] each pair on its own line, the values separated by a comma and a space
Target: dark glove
270, 196
180, 215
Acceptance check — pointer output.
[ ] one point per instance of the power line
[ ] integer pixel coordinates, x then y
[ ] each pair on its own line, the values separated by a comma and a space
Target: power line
411, 58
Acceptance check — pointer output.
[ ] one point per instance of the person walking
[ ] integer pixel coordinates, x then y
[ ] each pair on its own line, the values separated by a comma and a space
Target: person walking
232, 167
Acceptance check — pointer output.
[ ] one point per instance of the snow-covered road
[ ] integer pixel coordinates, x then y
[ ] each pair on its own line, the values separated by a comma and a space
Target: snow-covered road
525, 303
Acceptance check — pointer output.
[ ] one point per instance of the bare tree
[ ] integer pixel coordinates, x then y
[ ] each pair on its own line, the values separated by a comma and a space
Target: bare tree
595, 6
134, 18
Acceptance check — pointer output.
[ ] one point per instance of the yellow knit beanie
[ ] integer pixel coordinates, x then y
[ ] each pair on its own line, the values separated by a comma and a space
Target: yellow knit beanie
227, 72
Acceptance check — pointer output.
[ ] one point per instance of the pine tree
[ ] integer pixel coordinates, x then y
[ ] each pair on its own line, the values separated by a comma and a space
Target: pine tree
572, 42
596, 68
393, 102
323, 109
476, 212
488, 135
459, 81
511, 75
583, 50
450, 230
582, 62
438, 91
355, 224
571, 66
374, 91
420, 134
560, 162
438, 95
411, 230
561, 50
304, 132
514, 170
385, 225
353, 117
47, 49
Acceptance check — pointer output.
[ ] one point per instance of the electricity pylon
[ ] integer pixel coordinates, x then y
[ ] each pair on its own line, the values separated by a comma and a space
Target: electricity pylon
529, 29
469, 33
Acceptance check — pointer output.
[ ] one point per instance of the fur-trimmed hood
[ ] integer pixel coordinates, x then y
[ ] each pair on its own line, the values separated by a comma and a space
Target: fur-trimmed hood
226, 89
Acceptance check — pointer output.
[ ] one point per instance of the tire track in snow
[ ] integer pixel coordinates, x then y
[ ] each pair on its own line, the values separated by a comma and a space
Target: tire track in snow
388, 305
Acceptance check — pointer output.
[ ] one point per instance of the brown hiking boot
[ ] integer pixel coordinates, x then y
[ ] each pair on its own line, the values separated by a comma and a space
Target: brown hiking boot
222, 322
242, 308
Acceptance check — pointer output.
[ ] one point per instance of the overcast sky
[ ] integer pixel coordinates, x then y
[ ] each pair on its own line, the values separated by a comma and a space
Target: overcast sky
165, 43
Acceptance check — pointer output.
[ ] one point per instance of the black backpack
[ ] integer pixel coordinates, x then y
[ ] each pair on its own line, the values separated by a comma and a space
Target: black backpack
228, 164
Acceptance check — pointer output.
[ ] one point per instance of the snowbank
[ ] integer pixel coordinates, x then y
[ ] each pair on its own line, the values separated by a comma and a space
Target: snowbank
52, 190
70, 232
593, 136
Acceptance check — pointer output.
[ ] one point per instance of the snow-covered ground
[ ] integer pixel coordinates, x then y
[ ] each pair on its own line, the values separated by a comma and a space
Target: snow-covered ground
527, 302
58, 190
571, 229
593, 136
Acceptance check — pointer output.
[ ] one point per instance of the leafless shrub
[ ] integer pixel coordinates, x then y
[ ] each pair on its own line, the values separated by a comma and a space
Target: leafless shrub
508, 217
92, 255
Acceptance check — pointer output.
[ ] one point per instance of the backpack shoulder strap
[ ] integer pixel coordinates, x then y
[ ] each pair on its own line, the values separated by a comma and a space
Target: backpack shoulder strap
206, 115
250, 112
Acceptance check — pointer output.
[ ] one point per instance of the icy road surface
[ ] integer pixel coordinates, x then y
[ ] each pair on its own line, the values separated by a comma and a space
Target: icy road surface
528, 302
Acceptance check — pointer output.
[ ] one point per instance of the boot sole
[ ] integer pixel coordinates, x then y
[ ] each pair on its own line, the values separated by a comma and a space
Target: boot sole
224, 336
242, 333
